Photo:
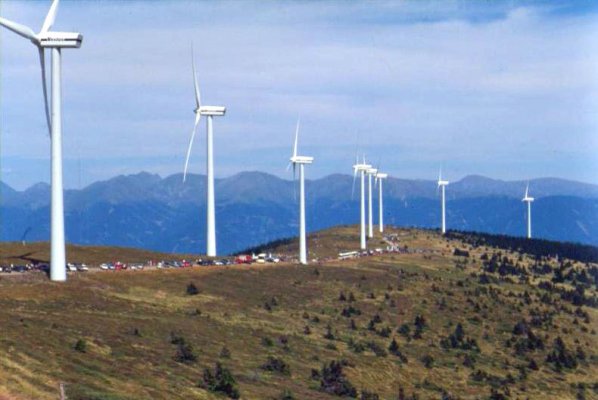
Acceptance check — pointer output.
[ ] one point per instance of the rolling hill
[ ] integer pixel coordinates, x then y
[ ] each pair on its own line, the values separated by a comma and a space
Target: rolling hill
448, 317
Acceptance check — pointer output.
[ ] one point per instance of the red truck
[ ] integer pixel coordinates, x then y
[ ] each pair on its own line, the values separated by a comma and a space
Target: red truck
243, 259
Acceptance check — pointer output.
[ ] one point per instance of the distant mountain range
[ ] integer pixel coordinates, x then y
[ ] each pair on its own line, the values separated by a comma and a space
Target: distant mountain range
163, 214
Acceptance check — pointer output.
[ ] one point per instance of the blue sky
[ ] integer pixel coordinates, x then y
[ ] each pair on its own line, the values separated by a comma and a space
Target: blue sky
500, 88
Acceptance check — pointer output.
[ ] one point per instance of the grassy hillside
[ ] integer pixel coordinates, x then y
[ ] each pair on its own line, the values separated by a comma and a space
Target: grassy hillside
492, 323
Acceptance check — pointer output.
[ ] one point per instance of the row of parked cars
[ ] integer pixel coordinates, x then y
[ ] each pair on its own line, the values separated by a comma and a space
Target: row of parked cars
261, 258
71, 267
22, 268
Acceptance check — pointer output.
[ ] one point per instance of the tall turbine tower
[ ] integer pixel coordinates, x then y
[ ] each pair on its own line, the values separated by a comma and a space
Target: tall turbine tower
442, 185
301, 161
55, 41
210, 112
528, 199
379, 178
371, 172
361, 168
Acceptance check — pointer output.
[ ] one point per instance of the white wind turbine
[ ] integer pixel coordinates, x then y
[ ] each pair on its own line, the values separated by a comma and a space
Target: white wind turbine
54, 41
361, 168
442, 185
301, 161
210, 112
379, 178
371, 172
528, 199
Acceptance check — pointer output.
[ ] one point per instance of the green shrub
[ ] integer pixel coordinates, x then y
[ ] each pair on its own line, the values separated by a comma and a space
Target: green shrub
220, 381
81, 346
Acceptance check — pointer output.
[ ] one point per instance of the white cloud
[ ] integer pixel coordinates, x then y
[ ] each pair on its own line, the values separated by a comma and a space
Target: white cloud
428, 79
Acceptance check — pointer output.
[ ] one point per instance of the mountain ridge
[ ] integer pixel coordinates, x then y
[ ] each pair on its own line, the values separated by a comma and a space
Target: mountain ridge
166, 214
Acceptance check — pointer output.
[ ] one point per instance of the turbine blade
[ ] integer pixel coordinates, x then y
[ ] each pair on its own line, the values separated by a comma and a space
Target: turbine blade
50, 18
289, 165
197, 94
296, 139
19, 29
42, 61
526, 190
197, 118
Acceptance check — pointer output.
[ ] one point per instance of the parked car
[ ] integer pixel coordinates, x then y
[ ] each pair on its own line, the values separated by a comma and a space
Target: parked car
82, 267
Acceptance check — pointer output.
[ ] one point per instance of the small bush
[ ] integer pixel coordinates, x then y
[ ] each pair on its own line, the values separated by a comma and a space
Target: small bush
333, 380
274, 364
225, 352
329, 334
192, 290
377, 349
286, 395
428, 361
367, 395
81, 346
185, 353
220, 381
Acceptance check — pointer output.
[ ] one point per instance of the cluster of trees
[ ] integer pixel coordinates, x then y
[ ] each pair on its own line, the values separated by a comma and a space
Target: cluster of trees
458, 340
263, 248
535, 247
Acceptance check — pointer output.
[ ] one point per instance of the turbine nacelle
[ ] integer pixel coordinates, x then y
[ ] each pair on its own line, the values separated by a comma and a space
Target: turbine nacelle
362, 167
213, 111
442, 183
371, 171
301, 160
380, 175
59, 40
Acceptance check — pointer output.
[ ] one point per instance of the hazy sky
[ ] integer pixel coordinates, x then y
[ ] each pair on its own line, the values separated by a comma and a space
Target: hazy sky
507, 89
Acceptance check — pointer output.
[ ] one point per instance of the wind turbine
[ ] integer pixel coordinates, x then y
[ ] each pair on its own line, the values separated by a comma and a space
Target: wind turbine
371, 172
301, 161
209, 112
442, 185
379, 178
55, 41
528, 199
361, 168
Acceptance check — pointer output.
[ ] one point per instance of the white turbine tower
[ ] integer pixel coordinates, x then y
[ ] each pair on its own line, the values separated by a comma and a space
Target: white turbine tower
371, 172
301, 161
361, 168
209, 112
528, 199
442, 185
379, 178
54, 41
